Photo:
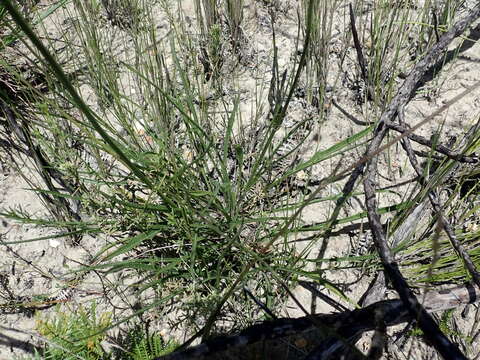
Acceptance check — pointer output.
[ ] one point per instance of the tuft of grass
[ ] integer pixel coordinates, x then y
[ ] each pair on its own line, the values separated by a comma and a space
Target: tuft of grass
234, 12
191, 196
162, 176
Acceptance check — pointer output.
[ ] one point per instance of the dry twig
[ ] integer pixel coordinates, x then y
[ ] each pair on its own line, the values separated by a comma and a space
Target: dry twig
346, 325
430, 328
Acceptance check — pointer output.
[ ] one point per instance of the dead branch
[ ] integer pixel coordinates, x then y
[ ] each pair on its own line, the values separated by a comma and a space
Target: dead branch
358, 46
434, 200
458, 156
346, 325
442, 149
430, 328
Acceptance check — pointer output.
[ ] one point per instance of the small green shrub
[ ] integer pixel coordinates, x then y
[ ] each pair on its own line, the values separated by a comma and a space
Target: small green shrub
74, 335
81, 334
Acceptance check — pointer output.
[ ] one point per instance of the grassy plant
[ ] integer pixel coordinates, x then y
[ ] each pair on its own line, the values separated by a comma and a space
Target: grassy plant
74, 336
234, 19
181, 198
188, 193
79, 335
317, 75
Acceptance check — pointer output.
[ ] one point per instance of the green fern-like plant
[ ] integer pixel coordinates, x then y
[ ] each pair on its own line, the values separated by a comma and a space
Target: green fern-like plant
79, 335
74, 335
151, 347
140, 344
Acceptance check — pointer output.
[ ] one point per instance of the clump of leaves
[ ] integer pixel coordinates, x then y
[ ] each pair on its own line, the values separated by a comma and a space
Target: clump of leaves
74, 335
140, 344
79, 335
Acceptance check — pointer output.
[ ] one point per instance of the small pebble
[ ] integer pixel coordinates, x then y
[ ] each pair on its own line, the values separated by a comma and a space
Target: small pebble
54, 243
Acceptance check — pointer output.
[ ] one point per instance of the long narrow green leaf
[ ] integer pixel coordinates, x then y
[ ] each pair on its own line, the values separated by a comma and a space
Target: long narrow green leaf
82, 106
322, 155
131, 243
358, 216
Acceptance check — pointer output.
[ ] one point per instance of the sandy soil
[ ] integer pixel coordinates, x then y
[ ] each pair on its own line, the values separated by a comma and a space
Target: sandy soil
42, 267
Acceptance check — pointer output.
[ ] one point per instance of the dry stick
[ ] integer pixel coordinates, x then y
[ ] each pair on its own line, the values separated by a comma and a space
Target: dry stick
348, 324
358, 46
430, 329
405, 132
376, 291
404, 94
414, 137
434, 200
360, 57
379, 338
401, 128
